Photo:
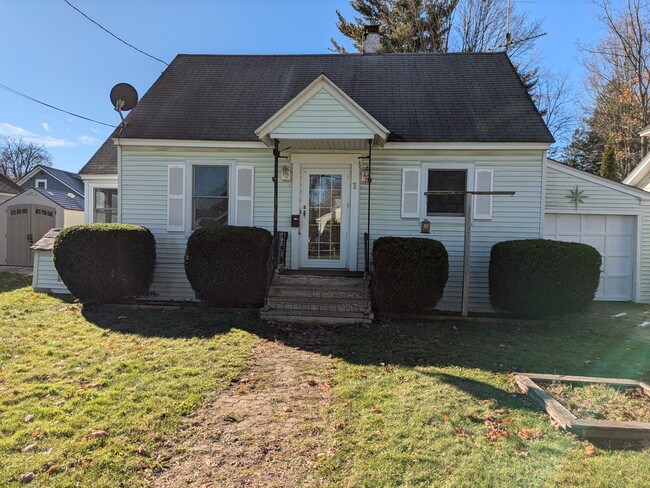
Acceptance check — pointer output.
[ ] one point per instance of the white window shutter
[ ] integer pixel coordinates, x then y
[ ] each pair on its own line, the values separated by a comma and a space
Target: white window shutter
245, 188
176, 197
483, 203
410, 192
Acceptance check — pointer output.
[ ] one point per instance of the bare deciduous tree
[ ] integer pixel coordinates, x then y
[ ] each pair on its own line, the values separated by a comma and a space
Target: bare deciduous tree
618, 77
17, 157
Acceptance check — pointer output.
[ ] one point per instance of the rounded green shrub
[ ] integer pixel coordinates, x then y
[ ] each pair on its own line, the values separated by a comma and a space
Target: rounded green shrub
105, 263
226, 266
539, 278
409, 273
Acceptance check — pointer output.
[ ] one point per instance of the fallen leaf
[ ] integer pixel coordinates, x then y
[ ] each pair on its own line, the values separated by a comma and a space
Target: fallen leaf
28, 419
445, 418
241, 390
523, 453
30, 447
379, 432
529, 434
312, 383
374, 408
461, 433
84, 463
51, 469
95, 434
590, 450
27, 477
339, 426
506, 420
501, 410
140, 450
287, 409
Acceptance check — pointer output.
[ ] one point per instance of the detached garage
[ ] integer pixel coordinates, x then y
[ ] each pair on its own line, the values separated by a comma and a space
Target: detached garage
612, 217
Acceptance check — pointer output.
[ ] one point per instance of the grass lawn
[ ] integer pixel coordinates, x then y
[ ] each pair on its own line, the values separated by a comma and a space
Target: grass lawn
92, 395
415, 404
434, 404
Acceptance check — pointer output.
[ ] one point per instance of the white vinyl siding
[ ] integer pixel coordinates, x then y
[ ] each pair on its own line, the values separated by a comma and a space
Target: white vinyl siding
46, 279
513, 217
411, 192
483, 181
144, 195
323, 114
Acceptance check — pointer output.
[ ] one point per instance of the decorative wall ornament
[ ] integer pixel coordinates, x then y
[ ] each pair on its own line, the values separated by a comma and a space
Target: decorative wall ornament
577, 196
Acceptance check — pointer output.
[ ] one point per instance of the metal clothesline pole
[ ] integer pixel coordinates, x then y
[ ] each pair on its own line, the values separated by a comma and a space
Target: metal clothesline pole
464, 304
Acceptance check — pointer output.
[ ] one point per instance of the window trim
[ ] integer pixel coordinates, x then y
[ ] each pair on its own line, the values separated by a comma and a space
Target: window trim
93, 209
40, 180
189, 189
90, 200
424, 183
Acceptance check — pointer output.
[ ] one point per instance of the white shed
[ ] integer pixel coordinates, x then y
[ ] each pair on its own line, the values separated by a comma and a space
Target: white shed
29, 215
46, 279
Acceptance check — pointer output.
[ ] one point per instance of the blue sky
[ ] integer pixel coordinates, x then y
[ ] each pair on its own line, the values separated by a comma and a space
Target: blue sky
50, 52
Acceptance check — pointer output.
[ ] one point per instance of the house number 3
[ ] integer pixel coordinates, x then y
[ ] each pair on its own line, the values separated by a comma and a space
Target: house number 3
354, 185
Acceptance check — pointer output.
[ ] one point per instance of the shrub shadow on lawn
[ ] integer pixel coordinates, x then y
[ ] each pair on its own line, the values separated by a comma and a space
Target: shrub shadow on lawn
13, 281
592, 344
174, 323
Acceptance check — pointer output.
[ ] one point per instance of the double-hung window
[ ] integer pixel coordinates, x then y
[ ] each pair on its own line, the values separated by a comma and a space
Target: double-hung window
210, 196
105, 205
452, 205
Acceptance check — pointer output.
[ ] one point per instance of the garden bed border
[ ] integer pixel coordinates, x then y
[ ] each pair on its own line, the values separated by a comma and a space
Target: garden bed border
590, 429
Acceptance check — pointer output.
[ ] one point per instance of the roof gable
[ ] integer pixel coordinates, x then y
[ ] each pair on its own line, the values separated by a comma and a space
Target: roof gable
322, 110
70, 180
9, 187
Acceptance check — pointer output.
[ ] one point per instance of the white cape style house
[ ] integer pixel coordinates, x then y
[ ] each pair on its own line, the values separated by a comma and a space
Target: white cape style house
356, 140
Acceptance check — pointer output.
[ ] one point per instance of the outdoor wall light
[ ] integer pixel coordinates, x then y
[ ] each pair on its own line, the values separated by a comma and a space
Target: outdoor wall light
286, 173
365, 175
425, 227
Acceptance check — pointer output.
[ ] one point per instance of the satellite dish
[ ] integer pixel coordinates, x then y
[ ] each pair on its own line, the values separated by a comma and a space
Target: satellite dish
124, 98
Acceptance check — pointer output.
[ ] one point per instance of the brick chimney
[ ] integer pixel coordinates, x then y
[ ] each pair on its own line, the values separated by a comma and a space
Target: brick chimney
371, 39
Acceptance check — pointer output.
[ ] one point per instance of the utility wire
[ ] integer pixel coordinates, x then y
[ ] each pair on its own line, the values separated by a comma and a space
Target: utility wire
16, 92
116, 37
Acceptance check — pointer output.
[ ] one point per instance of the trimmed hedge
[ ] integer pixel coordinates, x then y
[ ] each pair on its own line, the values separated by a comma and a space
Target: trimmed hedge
226, 266
540, 278
105, 263
409, 273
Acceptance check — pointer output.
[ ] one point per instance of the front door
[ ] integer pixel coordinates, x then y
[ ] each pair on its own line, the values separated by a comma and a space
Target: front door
324, 208
26, 224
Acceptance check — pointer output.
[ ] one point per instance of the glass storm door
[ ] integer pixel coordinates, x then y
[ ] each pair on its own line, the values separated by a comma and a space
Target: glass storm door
324, 218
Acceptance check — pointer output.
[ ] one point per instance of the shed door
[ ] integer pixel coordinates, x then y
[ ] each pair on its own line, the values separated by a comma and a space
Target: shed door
26, 224
614, 236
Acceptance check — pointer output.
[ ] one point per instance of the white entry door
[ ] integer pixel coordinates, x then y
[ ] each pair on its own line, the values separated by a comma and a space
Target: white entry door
325, 220
614, 237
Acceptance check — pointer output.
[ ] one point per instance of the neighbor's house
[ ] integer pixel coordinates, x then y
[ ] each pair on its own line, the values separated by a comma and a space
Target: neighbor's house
357, 139
8, 188
46, 198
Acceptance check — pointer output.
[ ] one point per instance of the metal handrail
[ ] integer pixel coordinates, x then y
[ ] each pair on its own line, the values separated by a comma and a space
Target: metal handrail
276, 260
366, 252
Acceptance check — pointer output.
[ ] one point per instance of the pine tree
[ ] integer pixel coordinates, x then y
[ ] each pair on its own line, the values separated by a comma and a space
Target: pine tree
608, 167
585, 151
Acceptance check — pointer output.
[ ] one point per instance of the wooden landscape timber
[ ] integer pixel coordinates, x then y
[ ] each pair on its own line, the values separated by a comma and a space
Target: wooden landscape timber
587, 428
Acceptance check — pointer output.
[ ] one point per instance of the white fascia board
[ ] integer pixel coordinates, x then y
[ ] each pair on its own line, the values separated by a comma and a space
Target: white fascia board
91, 177
468, 146
29, 175
599, 180
639, 172
322, 82
188, 143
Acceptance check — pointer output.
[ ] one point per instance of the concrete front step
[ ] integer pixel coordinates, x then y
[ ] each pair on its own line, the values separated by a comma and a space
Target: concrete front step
300, 298
356, 305
320, 317
323, 292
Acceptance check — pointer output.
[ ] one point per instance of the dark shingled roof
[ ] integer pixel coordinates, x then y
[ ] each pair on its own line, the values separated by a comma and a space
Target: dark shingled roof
62, 198
8, 186
46, 243
419, 97
72, 180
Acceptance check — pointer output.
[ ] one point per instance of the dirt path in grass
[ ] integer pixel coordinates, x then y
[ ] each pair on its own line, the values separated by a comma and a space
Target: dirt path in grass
269, 429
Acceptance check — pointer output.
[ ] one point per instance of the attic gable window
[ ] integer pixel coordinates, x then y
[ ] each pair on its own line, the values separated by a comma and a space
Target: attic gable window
446, 180
210, 196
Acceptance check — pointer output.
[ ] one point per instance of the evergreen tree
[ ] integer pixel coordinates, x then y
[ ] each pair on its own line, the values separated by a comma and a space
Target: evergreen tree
608, 168
585, 150
404, 25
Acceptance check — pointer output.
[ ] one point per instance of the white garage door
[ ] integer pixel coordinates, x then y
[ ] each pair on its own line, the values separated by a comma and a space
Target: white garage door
613, 235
